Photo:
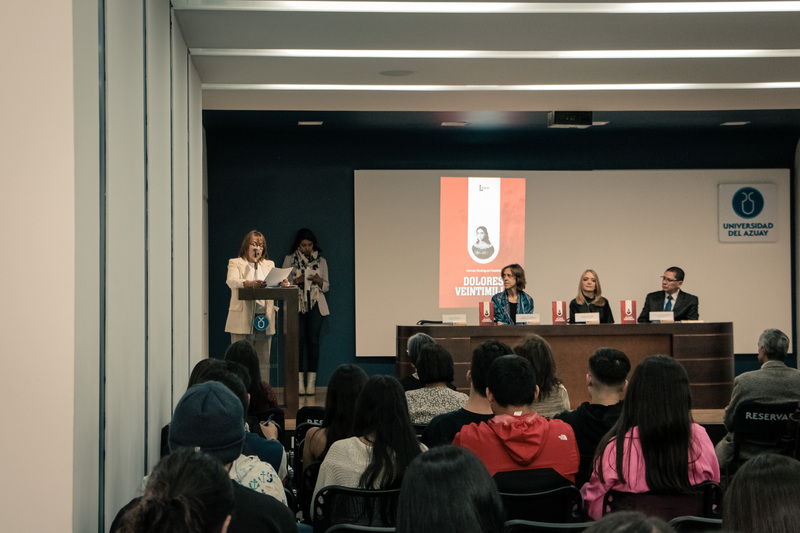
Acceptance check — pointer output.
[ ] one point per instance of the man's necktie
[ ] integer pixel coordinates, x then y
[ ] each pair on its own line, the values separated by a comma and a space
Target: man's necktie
668, 307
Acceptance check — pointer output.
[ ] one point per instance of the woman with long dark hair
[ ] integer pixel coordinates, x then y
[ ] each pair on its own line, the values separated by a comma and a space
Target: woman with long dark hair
262, 397
310, 274
553, 397
449, 490
189, 491
384, 443
661, 448
344, 387
762, 497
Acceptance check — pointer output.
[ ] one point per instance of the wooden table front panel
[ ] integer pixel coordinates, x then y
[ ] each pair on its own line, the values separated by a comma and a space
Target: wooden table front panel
705, 350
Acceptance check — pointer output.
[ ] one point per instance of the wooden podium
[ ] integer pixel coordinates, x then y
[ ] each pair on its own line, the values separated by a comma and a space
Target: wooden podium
290, 297
704, 349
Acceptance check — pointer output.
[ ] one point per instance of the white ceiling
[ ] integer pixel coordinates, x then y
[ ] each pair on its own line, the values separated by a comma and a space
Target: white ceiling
248, 55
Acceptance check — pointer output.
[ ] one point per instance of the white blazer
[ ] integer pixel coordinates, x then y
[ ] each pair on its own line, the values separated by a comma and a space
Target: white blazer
242, 312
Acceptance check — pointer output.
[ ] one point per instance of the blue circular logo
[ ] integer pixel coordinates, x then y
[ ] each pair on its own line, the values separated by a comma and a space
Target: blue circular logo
747, 202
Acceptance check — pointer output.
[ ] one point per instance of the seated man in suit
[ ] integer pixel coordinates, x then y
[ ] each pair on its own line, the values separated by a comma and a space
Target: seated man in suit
517, 438
606, 380
774, 382
684, 306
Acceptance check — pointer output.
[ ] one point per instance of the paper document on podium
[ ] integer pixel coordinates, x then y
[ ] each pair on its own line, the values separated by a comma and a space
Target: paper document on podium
276, 275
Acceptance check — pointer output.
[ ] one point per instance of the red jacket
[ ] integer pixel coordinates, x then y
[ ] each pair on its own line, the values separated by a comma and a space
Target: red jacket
522, 442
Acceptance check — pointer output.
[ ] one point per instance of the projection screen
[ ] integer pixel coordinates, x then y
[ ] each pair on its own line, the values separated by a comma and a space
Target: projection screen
412, 230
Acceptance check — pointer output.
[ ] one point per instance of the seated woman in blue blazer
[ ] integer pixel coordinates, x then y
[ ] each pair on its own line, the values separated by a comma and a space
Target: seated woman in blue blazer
512, 301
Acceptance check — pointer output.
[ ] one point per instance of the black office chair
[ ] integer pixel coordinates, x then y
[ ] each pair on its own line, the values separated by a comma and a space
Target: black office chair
345, 528
310, 413
761, 427
530, 526
365, 507
305, 484
705, 501
299, 442
540, 495
695, 524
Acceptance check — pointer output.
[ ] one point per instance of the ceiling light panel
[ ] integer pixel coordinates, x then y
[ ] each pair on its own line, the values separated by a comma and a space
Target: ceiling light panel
497, 54
489, 7
501, 88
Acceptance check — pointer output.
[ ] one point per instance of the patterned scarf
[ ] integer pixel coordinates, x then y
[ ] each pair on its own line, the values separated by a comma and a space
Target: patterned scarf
300, 264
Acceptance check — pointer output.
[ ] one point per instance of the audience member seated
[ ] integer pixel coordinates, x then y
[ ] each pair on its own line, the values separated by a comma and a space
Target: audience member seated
210, 417
188, 491
413, 347
443, 428
605, 381
201, 366
448, 490
553, 397
629, 522
262, 397
344, 387
265, 448
435, 368
762, 497
774, 382
247, 470
517, 438
384, 443
662, 450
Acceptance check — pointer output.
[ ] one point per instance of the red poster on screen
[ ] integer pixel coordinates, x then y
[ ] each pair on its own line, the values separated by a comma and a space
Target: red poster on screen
481, 230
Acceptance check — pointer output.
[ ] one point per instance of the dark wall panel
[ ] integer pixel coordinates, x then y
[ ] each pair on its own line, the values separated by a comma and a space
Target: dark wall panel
279, 181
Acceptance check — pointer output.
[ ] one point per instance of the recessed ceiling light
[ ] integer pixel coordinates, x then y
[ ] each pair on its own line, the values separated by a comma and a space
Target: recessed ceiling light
744, 123
454, 124
310, 123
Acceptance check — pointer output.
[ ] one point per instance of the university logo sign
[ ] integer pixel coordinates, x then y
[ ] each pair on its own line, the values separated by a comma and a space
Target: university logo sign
748, 212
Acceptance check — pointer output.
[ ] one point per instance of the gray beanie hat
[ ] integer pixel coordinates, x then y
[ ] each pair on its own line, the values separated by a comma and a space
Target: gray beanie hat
210, 416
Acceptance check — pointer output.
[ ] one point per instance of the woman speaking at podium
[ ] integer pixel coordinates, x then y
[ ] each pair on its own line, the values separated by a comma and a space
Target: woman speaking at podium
512, 301
251, 320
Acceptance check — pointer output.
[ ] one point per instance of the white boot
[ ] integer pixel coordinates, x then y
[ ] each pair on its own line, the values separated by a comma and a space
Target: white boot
311, 389
301, 389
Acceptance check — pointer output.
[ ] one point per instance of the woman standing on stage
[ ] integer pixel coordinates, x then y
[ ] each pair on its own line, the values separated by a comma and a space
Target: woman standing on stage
310, 273
251, 320
512, 301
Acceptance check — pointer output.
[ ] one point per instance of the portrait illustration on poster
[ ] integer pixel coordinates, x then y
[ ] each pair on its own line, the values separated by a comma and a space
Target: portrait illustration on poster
482, 229
482, 250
